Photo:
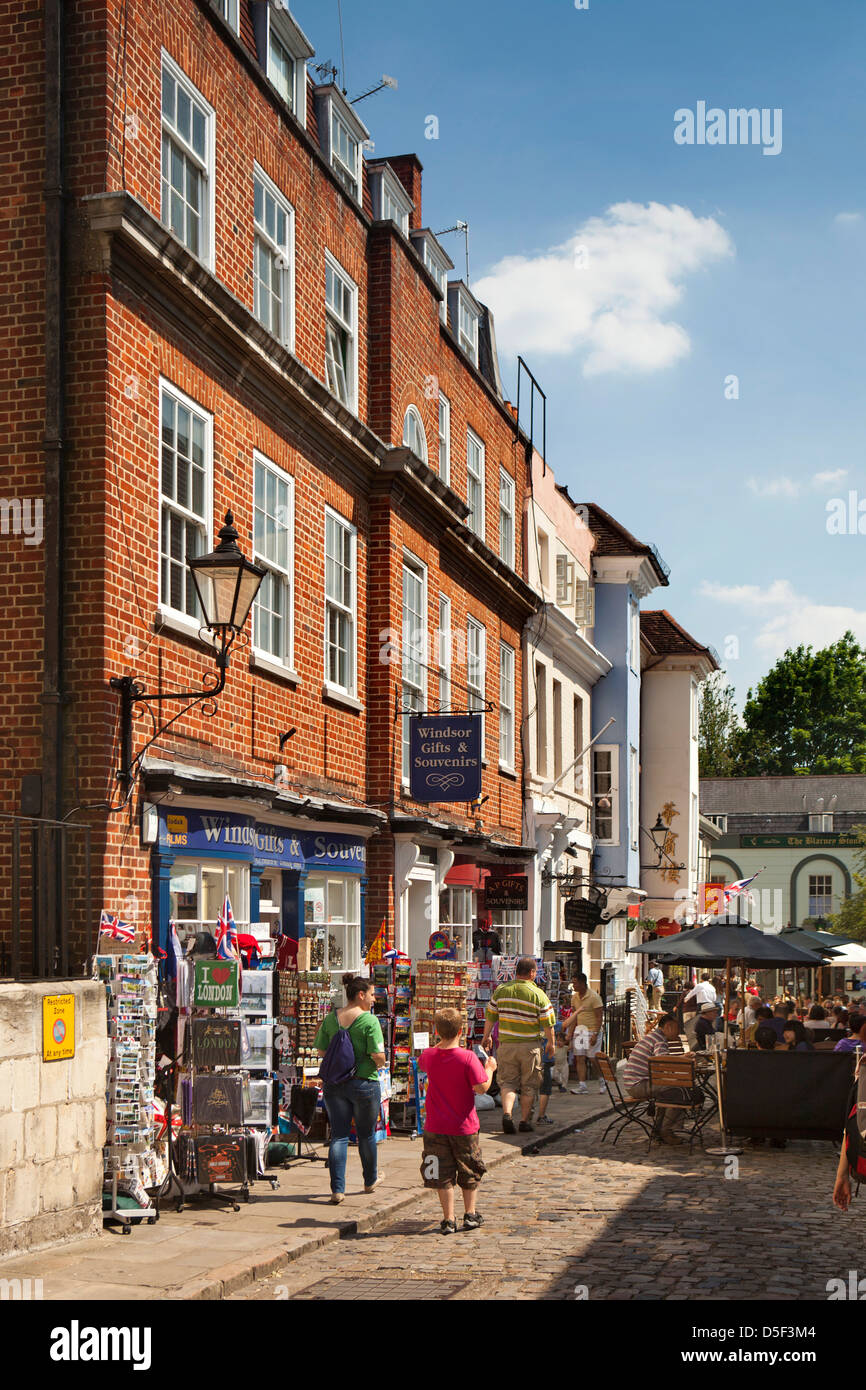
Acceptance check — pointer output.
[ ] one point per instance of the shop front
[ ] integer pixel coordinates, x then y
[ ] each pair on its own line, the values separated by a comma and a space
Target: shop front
279, 878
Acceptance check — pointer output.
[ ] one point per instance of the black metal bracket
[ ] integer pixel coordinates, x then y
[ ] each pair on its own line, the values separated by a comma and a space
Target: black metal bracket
132, 693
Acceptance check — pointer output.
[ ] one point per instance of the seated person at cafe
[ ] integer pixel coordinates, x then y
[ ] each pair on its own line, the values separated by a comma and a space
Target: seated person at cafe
636, 1081
762, 1016
856, 1037
817, 1018
795, 1037
839, 1017
706, 1026
778, 1020
765, 1038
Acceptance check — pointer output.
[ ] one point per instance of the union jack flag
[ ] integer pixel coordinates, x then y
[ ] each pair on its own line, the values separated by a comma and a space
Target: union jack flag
227, 934
112, 926
733, 890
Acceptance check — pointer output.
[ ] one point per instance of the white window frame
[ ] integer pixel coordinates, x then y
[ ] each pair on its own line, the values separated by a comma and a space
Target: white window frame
477, 518
391, 202
338, 323
230, 11
285, 576
350, 611
282, 30
814, 895
283, 256
824, 821
414, 652
506, 518
467, 315
444, 652
476, 657
584, 603
444, 438
204, 523
350, 178
204, 164
612, 793
453, 914
693, 710
507, 667
437, 262
349, 885
410, 419
633, 785
541, 721
577, 718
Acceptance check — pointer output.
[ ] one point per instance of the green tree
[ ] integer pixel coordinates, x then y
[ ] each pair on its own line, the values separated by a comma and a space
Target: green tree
850, 920
807, 715
718, 722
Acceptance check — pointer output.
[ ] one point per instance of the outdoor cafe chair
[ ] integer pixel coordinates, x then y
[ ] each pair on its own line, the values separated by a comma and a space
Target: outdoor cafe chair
627, 1109
666, 1073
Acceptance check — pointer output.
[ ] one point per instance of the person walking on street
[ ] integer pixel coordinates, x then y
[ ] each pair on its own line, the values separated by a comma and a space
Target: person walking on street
357, 1094
583, 1030
655, 980
525, 1017
452, 1148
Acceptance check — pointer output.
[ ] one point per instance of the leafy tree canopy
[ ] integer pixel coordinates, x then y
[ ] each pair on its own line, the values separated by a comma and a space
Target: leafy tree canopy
808, 715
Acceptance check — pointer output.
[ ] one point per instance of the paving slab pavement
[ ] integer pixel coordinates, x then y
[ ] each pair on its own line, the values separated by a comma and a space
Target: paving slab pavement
211, 1253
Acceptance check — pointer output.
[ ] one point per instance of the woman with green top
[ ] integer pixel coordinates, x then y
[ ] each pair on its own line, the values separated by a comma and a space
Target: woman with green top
360, 1097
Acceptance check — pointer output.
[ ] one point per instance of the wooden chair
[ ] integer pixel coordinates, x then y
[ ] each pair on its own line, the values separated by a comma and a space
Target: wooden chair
627, 1109
668, 1072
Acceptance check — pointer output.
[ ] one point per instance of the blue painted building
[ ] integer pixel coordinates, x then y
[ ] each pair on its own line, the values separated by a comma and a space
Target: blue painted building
625, 570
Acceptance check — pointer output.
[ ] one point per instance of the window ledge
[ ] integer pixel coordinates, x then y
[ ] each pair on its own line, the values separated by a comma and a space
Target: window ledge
260, 662
167, 620
507, 771
341, 697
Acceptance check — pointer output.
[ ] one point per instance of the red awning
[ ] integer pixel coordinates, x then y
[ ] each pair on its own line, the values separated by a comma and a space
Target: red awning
466, 876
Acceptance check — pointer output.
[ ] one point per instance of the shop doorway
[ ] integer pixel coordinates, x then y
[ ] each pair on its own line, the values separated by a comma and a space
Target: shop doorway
420, 914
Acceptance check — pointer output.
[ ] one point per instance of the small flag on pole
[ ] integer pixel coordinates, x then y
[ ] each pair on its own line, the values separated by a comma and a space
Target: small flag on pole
227, 934
112, 926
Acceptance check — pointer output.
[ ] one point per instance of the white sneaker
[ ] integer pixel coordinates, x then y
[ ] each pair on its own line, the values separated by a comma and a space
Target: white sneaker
580, 1090
602, 1089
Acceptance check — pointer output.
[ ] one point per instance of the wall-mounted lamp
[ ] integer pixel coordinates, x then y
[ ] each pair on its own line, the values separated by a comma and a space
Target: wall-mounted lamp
226, 584
284, 738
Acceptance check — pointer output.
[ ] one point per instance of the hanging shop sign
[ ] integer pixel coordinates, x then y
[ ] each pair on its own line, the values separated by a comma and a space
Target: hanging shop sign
216, 984
58, 1027
441, 947
204, 832
445, 757
581, 915
509, 893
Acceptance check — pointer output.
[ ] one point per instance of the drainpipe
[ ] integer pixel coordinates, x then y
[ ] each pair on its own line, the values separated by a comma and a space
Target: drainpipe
52, 694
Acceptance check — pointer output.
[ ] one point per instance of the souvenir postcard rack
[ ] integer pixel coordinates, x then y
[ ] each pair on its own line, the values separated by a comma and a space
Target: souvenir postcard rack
134, 1166
303, 999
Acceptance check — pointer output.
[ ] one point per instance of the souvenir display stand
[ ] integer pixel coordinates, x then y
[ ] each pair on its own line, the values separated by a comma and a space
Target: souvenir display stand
224, 1083
134, 1165
303, 999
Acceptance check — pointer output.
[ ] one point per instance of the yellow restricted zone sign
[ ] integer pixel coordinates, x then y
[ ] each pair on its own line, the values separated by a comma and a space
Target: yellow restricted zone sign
58, 1027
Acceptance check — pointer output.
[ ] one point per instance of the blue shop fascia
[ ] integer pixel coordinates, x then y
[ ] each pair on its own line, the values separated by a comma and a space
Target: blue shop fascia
302, 877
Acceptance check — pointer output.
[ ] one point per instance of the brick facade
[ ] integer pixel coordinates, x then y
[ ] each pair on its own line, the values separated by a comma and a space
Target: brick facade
140, 310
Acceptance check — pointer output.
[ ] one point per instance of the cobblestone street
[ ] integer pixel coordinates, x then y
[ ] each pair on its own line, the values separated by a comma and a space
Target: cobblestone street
580, 1220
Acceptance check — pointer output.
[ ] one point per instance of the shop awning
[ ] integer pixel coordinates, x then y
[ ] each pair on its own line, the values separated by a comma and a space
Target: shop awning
466, 876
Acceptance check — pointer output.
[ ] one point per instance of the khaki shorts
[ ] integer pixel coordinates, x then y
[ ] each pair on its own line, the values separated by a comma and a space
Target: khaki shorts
518, 1067
452, 1158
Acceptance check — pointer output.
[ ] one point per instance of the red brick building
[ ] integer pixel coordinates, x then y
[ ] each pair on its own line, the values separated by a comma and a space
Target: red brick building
221, 304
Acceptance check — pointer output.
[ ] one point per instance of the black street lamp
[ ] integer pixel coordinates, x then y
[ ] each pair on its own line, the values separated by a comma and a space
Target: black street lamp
226, 584
659, 835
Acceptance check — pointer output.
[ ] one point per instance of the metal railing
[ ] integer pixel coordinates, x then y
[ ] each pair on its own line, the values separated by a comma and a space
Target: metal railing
47, 922
617, 1027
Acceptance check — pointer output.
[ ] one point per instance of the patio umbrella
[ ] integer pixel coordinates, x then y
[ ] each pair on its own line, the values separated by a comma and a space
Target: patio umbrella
809, 941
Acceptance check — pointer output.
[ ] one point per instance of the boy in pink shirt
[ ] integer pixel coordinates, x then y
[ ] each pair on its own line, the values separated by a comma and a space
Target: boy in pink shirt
452, 1149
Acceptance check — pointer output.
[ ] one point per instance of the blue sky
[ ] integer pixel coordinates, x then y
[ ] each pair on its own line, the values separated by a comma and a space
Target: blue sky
635, 274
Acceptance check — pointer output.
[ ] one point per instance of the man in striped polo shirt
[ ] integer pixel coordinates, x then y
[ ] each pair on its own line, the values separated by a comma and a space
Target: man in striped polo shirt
525, 1017
636, 1076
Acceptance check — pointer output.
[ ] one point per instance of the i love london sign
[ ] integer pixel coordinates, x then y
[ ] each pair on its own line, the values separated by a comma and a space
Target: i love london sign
445, 757
216, 984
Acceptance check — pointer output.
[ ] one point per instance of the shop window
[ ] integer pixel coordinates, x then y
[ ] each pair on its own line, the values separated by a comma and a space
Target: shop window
509, 925
332, 919
197, 891
458, 914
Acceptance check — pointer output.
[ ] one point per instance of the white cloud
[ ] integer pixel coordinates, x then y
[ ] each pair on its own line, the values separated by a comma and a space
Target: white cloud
794, 487
846, 219
787, 618
607, 290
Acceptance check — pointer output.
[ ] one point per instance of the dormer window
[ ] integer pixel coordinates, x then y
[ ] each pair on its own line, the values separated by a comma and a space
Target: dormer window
465, 317
437, 262
283, 50
342, 135
391, 202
